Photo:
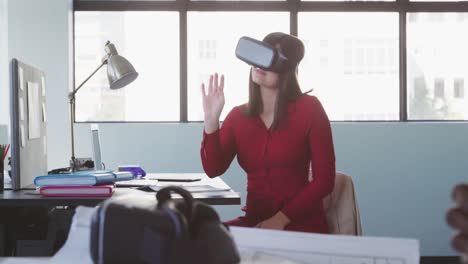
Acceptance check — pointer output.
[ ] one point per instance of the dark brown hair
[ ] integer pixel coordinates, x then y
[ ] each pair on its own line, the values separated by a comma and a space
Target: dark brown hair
288, 88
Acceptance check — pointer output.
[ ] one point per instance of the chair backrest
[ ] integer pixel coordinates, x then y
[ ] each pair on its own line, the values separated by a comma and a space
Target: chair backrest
341, 207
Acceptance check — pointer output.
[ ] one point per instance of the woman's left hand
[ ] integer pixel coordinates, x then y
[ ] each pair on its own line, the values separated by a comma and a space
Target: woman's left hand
279, 221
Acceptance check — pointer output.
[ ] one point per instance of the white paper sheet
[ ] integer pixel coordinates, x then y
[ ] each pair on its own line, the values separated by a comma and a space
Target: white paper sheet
22, 136
175, 176
136, 183
45, 145
21, 80
190, 188
34, 113
329, 249
21, 108
43, 85
44, 114
255, 257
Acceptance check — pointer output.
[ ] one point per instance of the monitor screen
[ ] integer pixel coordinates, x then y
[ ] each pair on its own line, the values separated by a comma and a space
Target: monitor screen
96, 147
28, 121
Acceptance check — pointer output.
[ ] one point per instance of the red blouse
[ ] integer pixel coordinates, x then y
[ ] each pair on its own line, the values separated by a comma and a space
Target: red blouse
277, 163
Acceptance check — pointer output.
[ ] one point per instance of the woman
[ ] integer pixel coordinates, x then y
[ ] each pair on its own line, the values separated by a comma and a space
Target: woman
276, 136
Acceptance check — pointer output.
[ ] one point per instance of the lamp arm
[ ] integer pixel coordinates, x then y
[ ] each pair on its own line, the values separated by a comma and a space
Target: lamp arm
72, 121
71, 97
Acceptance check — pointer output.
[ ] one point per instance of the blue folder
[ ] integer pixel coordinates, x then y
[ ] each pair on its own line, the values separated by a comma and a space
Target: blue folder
83, 178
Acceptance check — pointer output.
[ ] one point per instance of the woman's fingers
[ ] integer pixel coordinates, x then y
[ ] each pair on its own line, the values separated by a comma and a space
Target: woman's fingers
221, 85
460, 243
203, 90
215, 86
210, 87
216, 83
460, 196
457, 219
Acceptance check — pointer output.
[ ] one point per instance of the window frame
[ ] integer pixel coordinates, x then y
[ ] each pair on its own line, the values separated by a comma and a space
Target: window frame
402, 7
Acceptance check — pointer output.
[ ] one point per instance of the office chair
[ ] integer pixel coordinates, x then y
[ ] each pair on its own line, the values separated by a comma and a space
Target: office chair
341, 208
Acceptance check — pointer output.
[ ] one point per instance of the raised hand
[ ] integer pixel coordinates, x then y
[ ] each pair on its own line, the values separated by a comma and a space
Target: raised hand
213, 102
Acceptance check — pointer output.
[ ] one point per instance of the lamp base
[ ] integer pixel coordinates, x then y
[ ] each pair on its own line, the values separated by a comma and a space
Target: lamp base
79, 164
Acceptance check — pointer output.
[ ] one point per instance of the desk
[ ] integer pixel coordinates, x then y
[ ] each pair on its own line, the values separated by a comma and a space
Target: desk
309, 248
28, 198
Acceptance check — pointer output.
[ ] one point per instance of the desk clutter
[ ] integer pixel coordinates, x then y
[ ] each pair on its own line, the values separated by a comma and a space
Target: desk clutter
92, 183
81, 184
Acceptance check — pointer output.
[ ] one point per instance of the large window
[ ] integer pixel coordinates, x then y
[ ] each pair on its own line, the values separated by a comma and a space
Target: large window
437, 66
351, 62
150, 41
365, 60
212, 40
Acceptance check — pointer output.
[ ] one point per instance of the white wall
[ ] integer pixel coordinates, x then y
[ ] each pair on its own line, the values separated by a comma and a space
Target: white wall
4, 80
38, 35
403, 172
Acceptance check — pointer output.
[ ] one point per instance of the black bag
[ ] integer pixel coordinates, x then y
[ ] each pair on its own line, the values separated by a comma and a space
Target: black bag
137, 229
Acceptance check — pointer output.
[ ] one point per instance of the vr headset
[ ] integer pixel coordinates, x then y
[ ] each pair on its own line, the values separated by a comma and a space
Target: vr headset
261, 55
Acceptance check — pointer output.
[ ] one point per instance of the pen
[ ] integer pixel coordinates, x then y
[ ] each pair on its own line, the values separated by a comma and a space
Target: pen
5, 149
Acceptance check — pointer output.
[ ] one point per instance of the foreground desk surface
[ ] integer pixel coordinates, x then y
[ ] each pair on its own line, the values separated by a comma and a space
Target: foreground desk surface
21, 198
296, 246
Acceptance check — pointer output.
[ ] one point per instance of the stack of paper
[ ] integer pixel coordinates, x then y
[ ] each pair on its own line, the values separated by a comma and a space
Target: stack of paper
191, 188
201, 189
136, 183
175, 177
325, 249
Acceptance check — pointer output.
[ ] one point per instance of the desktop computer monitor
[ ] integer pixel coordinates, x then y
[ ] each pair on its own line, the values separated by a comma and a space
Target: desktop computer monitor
28, 124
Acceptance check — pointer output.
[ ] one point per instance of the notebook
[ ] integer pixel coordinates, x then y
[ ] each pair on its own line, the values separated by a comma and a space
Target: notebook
77, 191
83, 178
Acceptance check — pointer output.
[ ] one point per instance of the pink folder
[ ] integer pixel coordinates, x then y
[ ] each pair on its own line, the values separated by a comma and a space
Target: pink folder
77, 191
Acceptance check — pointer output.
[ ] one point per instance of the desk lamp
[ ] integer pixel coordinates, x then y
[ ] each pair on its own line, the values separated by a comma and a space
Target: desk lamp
120, 73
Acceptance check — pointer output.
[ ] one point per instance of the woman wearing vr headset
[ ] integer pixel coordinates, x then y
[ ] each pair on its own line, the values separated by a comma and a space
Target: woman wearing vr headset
279, 136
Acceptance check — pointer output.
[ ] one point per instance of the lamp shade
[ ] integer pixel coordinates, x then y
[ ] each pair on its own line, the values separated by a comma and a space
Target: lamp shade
120, 71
